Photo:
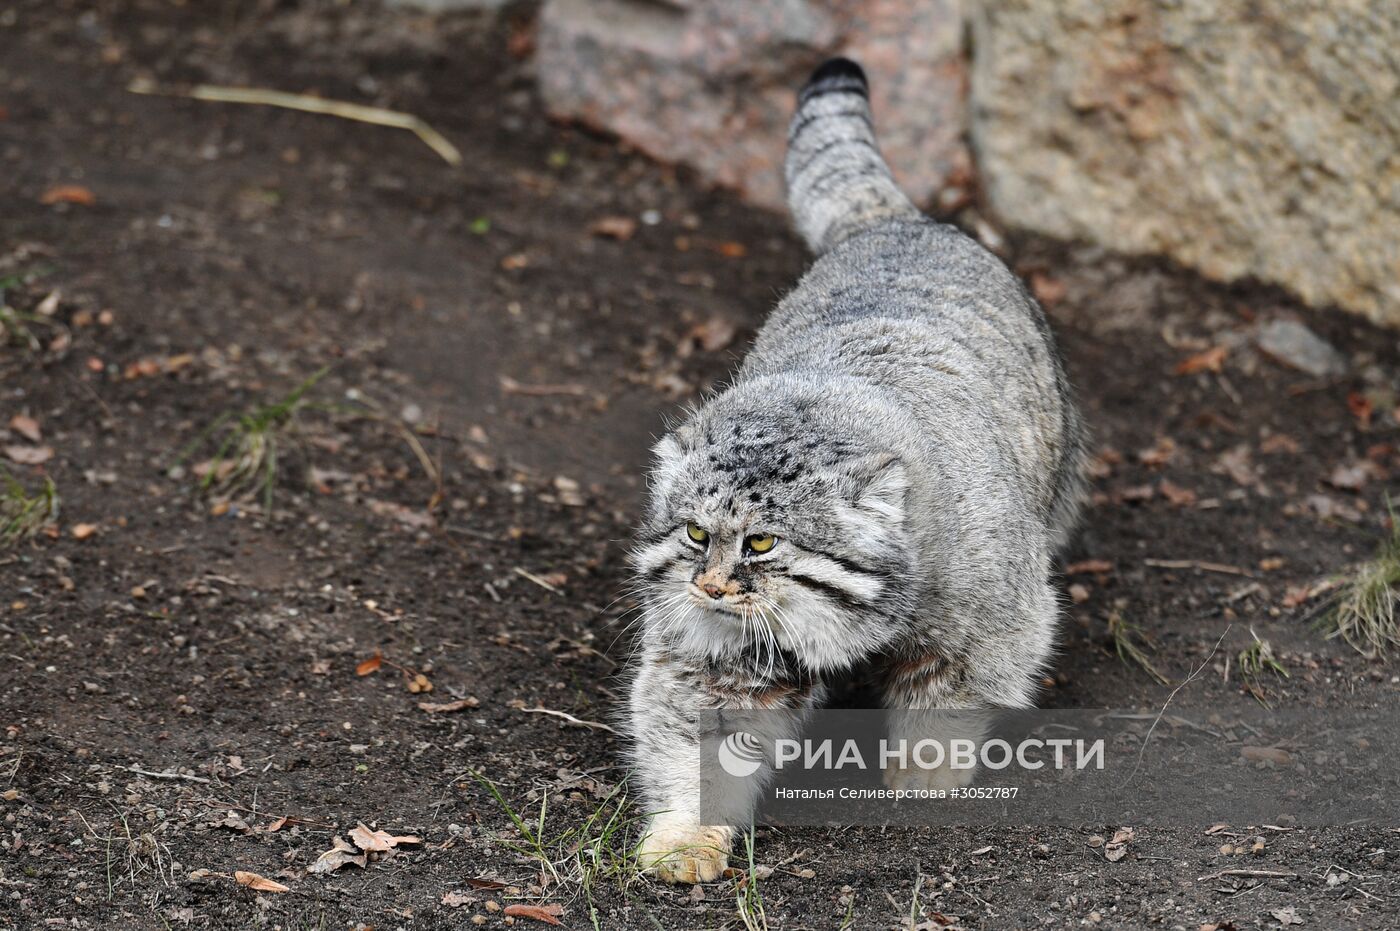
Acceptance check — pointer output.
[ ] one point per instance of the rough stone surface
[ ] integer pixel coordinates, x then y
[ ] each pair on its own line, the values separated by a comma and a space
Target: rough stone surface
711, 83
439, 6
1242, 139
1292, 343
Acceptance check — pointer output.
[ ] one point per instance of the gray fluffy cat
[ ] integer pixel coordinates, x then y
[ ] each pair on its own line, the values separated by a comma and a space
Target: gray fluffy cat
885, 483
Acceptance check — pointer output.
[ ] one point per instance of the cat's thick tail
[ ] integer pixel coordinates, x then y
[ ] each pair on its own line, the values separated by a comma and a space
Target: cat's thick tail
838, 183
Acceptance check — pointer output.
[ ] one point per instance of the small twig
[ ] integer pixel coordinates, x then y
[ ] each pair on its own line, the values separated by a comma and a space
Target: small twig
1161, 713
1256, 874
511, 386
595, 725
213, 804
146, 772
1197, 564
526, 574
308, 104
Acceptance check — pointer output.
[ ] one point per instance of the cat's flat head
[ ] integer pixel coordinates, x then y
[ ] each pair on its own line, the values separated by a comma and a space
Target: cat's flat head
770, 528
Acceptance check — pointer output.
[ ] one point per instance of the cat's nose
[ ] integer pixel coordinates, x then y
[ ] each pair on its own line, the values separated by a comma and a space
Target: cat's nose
713, 590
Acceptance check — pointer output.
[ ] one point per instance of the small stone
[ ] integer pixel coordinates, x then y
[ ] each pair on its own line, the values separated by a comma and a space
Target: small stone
1293, 344
1274, 755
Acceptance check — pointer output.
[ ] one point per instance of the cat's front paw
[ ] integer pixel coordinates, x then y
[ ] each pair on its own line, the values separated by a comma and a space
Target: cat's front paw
681, 852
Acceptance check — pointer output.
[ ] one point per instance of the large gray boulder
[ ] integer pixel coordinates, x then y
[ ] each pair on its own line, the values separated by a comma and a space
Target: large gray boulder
1242, 139
711, 83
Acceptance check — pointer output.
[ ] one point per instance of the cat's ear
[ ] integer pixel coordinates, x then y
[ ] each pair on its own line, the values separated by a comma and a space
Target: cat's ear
667, 456
669, 452
884, 485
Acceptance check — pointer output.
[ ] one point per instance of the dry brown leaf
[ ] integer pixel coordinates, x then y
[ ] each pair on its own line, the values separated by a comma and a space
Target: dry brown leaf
1278, 443
175, 363
1117, 848
1297, 595
1275, 755
370, 665
619, 228
340, 854
409, 517
1361, 409
68, 194
1136, 493
481, 882
29, 455
1212, 360
455, 899
445, 707
260, 883
1159, 453
1237, 463
1174, 493
26, 427
549, 914
1047, 290
366, 839
277, 825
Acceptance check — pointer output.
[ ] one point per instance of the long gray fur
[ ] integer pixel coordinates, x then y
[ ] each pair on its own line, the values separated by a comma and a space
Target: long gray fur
903, 425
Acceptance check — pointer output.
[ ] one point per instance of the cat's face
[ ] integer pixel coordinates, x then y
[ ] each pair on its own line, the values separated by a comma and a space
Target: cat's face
765, 535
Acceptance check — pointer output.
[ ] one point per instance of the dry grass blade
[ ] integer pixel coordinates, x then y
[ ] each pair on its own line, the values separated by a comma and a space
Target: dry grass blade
23, 515
360, 113
1129, 642
1255, 660
1364, 610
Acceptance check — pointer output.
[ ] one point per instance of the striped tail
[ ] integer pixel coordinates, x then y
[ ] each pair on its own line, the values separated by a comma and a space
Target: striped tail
838, 183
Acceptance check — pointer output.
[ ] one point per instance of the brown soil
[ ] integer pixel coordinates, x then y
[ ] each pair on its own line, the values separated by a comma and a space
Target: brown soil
220, 649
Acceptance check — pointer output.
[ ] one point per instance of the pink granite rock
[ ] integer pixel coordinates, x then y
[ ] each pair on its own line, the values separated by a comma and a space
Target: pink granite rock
711, 83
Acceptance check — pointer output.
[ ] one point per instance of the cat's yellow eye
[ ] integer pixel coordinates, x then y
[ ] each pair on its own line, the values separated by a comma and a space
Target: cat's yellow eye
760, 542
693, 531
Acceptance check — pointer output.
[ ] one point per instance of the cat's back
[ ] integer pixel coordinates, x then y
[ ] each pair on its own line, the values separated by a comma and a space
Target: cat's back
912, 293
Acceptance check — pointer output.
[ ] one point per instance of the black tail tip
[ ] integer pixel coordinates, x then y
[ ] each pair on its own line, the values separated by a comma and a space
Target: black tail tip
837, 71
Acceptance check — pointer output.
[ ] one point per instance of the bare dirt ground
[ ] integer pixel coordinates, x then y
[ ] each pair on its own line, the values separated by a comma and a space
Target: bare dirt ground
179, 694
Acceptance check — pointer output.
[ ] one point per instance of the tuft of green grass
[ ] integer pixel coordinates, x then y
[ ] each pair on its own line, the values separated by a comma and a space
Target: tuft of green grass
1365, 612
1253, 662
914, 905
15, 326
23, 515
250, 445
1131, 644
748, 895
602, 848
